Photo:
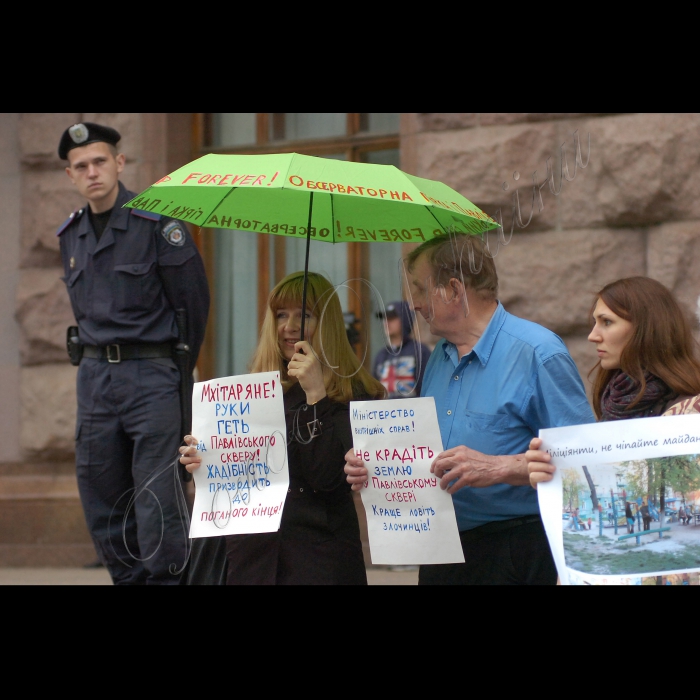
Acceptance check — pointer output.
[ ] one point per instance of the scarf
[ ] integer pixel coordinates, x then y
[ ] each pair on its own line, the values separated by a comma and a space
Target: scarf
622, 390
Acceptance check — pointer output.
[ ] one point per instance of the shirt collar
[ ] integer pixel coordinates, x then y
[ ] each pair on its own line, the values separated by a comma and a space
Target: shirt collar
484, 345
120, 217
84, 224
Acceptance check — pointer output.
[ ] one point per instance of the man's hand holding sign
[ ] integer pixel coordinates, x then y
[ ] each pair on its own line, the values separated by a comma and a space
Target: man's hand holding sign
461, 466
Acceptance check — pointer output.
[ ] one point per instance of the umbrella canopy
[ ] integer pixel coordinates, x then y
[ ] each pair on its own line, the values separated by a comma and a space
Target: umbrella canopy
351, 201
316, 198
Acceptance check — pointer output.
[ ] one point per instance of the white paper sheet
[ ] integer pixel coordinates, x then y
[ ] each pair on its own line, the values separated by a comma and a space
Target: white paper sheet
242, 483
627, 461
410, 519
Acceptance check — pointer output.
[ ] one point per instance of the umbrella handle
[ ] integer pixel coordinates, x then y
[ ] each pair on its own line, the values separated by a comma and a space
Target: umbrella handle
306, 266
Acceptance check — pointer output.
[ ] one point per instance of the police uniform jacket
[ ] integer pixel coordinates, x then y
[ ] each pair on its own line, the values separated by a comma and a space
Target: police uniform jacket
125, 288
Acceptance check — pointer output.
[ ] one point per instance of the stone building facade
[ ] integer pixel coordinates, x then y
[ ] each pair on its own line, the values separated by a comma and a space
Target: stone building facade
630, 211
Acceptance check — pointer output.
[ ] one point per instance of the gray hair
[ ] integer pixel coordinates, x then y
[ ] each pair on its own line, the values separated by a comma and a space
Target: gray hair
462, 256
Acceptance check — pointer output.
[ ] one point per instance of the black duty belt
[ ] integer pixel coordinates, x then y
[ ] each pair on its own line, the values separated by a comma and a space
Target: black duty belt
118, 353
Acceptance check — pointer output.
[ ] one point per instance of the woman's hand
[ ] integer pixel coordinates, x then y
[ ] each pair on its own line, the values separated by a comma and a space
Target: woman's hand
190, 457
355, 470
538, 465
306, 368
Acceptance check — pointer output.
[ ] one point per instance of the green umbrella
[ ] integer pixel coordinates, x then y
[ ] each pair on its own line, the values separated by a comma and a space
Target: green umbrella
294, 195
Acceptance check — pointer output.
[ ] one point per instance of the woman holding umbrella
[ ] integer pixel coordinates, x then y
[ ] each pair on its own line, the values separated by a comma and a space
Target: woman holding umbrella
647, 360
319, 537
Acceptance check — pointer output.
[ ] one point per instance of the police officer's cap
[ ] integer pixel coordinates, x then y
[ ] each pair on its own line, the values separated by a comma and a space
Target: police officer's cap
85, 133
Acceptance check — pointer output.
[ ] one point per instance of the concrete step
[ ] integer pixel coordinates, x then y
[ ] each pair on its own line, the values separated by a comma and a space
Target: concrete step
41, 517
27, 487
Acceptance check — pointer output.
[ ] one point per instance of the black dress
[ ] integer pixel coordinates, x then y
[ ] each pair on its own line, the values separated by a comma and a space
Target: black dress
319, 537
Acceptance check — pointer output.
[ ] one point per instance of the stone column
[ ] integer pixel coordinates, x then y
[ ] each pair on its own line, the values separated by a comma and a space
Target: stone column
9, 274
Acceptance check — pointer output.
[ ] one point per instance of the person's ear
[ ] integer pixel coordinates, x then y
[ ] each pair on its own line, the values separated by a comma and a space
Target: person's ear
458, 288
69, 172
121, 162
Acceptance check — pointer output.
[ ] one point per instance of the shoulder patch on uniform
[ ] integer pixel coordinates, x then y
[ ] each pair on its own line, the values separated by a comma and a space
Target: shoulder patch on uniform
146, 214
73, 217
174, 233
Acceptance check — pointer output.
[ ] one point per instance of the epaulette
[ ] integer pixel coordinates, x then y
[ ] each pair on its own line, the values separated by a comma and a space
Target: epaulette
146, 214
73, 217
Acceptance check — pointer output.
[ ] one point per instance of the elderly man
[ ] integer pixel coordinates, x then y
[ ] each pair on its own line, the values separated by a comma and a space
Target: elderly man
497, 380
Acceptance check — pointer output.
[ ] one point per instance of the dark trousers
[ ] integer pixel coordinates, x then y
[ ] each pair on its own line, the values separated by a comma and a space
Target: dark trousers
511, 552
127, 438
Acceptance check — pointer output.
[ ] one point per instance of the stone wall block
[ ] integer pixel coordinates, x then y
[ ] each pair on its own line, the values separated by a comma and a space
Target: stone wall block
444, 121
48, 410
43, 313
551, 277
644, 169
477, 163
131, 177
584, 355
153, 160
673, 258
48, 199
490, 119
40, 134
441, 121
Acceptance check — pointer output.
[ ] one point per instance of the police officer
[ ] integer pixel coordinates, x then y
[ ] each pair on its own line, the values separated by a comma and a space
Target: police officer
140, 297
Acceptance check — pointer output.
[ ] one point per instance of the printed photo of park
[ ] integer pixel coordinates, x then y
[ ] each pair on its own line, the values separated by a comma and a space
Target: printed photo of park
686, 578
635, 517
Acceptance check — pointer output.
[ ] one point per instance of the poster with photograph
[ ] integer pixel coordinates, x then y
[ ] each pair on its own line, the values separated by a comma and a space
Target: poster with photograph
623, 507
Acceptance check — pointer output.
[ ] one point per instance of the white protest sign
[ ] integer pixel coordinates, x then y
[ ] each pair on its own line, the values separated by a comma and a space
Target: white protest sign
623, 507
242, 483
410, 519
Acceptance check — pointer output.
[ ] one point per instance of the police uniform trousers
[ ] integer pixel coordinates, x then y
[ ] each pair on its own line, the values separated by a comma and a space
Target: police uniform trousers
127, 439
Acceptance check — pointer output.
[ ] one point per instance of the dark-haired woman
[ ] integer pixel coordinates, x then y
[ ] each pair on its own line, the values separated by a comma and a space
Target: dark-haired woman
647, 359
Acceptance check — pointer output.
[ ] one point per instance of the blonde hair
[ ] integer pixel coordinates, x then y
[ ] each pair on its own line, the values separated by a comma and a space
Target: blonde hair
343, 375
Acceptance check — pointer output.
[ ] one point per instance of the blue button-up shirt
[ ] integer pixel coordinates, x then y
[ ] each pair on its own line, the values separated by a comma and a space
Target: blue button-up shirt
518, 379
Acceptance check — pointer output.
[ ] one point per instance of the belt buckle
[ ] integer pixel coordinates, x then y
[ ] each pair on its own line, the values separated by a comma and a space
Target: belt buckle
109, 354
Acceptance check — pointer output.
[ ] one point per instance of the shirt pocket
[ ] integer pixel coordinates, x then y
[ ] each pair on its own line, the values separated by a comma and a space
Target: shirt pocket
491, 422
497, 433
134, 286
75, 283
